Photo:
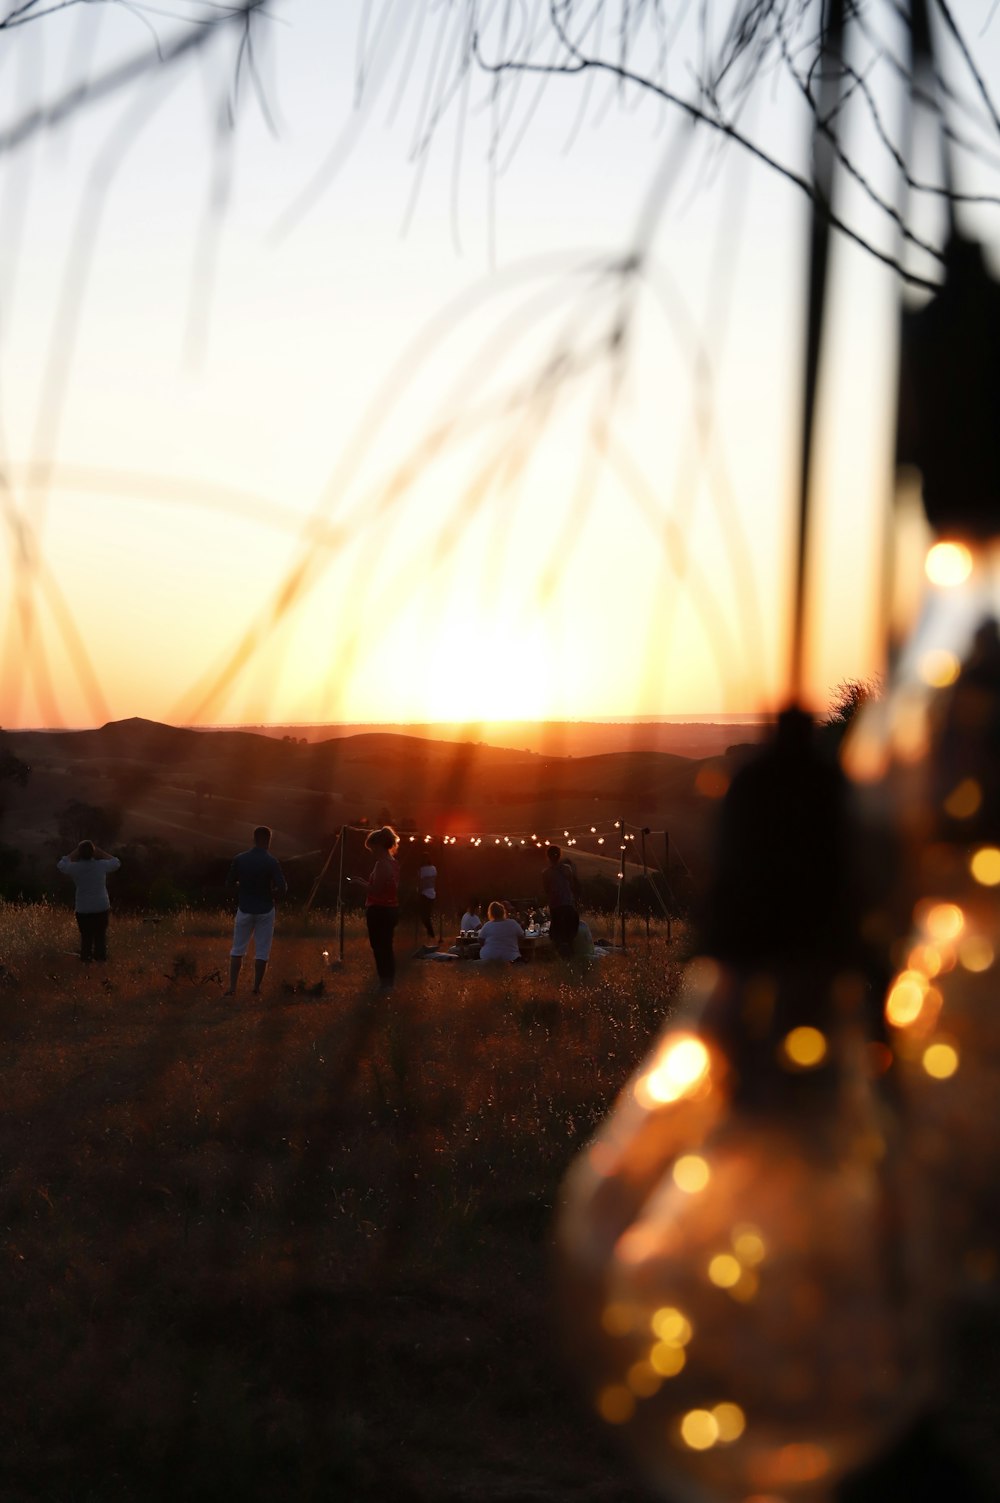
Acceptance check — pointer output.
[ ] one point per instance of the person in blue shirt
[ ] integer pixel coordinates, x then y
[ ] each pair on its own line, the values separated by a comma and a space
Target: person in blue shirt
258, 878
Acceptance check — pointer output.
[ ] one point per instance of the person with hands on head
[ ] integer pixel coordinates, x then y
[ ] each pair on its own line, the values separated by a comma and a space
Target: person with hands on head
89, 867
258, 878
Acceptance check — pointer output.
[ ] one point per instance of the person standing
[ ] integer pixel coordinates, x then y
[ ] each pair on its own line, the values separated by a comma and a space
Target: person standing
561, 894
258, 878
89, 867
426, 896
382, 902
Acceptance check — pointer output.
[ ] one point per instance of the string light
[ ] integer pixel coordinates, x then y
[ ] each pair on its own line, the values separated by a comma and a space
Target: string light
731, 1295
571, 836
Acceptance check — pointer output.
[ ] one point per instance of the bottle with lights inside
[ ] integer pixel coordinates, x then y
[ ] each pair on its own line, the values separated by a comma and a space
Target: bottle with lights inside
741, 1297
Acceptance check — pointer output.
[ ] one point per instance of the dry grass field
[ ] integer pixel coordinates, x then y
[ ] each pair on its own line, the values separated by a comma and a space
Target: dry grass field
297, 1246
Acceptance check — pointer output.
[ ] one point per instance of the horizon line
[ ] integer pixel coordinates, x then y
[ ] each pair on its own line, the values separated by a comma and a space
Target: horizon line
718, 717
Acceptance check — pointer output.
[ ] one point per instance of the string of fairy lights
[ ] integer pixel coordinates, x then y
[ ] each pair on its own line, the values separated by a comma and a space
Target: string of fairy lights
621, 839
568, 838
618, 834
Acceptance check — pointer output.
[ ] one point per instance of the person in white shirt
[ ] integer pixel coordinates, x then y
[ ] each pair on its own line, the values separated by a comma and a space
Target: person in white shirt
426, 894
471, 919
499, 936
89, 867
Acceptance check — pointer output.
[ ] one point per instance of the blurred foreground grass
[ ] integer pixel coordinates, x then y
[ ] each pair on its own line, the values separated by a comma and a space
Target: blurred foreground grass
295, 1246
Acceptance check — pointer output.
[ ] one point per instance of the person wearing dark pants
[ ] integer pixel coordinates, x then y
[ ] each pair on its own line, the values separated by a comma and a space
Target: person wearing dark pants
382, 902
381, 923
93, 929
89, 867
427, 895
561, 894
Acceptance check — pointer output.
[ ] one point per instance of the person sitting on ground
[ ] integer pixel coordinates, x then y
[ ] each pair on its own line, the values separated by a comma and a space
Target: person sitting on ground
500, 935
89, 867
471, 921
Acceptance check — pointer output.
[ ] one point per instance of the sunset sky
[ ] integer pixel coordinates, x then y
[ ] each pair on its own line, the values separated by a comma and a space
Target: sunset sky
307, 423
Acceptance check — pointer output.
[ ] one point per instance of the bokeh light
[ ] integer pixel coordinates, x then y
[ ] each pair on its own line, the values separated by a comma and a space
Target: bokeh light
948, 564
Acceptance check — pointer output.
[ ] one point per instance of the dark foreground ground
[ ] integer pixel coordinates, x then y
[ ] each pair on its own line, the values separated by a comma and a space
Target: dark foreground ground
299, 1248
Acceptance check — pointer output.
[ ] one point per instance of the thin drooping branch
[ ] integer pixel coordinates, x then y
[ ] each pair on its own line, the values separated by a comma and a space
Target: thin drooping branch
44, 117
722, 127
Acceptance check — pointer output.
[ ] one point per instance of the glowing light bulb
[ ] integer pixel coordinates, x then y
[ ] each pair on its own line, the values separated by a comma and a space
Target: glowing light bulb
727, 1282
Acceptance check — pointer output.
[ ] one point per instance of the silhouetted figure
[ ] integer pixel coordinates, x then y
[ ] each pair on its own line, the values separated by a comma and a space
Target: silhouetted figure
561, 893
426, 896
258, 878
89, 867
471, 922
382, 902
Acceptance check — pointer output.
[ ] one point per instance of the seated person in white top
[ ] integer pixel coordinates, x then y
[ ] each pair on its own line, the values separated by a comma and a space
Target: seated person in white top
499, 936
470, 918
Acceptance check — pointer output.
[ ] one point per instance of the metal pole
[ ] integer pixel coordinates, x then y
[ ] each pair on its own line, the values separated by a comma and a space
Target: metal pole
621, 881
322, 873
340, 890
666, 878
645, 878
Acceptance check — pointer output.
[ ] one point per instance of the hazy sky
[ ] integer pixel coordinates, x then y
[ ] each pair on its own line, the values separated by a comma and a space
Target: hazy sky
312, 417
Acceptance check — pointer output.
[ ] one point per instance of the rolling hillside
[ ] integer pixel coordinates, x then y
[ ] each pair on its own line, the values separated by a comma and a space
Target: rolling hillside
201, 791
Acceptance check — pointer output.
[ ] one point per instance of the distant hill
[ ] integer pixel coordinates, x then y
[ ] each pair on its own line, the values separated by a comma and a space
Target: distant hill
561, 738
202, 791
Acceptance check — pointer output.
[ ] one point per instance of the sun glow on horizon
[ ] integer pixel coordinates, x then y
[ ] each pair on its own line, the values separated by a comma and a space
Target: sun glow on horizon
422, 489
